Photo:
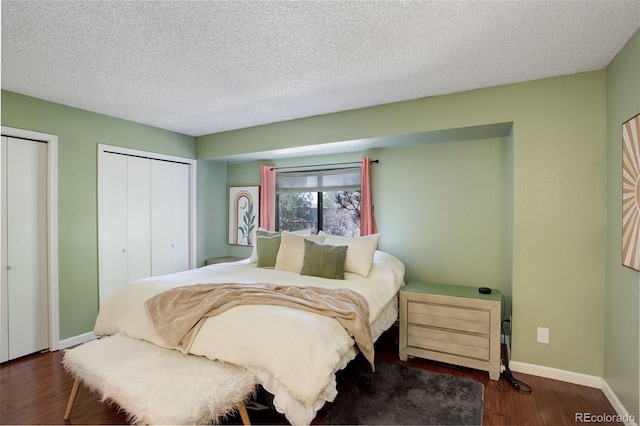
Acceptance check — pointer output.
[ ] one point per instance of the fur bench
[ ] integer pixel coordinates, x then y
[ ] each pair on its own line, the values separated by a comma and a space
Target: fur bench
156, 385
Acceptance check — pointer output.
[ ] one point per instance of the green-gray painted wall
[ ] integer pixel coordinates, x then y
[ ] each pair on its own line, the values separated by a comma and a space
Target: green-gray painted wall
79, 132
622, 321
552, 191
442, 208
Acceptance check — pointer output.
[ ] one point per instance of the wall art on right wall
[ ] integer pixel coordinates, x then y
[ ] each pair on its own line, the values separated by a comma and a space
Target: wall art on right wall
631, 193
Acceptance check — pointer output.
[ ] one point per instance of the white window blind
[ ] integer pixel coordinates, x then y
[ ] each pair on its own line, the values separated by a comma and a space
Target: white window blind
318, 180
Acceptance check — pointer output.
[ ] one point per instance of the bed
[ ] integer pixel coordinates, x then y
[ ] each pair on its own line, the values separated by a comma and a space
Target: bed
293, 353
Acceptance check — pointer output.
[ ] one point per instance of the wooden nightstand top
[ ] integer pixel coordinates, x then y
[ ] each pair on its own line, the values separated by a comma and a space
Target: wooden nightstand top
449, 290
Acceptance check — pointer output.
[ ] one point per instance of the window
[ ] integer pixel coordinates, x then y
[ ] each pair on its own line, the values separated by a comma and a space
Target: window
327, 200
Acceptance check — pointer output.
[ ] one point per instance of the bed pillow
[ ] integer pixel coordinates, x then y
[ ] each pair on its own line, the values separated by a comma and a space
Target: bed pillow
264, 232
291, 252
323, 260
267, 247
360, 253
260, 233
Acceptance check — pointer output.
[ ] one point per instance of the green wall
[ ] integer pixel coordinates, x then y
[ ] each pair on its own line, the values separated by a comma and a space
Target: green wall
79, 132
211, 210
443, 209
555, 195
458, 190
622, 295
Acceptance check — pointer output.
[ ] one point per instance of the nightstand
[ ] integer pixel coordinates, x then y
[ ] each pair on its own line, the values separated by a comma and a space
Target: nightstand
221, 260
451, 324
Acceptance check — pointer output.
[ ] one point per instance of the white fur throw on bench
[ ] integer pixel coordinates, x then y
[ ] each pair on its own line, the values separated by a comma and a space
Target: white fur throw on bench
156, 385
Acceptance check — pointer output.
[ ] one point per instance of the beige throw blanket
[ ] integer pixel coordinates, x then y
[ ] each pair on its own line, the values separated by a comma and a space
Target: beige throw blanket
178, 314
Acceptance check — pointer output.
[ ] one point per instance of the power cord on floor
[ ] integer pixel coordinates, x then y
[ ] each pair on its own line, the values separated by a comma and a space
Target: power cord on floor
518, 385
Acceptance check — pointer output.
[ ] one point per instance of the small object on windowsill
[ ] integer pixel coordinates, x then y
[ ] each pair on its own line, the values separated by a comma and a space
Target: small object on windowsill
484, 290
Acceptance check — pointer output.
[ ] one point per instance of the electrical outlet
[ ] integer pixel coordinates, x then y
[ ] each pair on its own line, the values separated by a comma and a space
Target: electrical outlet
543, 335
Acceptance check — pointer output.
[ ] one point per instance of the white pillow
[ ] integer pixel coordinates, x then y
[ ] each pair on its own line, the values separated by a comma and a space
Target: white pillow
291, 253
254, 252
360, 252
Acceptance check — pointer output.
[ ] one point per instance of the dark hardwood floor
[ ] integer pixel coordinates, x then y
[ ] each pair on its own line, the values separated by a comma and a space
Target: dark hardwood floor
35, 390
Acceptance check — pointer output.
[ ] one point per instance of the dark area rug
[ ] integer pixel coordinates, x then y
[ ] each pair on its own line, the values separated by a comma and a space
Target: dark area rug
399, 395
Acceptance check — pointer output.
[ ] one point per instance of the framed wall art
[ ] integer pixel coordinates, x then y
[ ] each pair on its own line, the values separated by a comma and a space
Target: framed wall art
631, 193
243, 214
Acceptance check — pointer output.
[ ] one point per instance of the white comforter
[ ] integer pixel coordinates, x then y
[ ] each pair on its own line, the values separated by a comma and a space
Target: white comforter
294, 353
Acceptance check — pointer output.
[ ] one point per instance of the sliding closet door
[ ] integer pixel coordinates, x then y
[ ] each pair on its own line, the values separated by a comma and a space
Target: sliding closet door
169, 217
145, 218
180, 216
138, 212
25, 316
114, 259
4, 273
161, 240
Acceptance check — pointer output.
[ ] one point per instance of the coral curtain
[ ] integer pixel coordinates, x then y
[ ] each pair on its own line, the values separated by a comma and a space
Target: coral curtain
367, 219
268, 198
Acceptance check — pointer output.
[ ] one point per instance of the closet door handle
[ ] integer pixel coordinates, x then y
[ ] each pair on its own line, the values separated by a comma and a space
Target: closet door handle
11, 267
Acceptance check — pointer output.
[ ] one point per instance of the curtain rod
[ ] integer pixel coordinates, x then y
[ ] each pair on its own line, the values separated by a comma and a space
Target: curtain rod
322, 165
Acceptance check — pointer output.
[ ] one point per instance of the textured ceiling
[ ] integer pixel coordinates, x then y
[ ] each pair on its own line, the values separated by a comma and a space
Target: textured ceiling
201, 67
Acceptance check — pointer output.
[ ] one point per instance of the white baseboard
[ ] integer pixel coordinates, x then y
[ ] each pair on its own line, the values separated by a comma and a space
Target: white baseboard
73, 341
578, 379
556, 374
617, 405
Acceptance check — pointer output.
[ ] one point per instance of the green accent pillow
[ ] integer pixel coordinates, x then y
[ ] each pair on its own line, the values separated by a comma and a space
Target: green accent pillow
267, 249
325, 261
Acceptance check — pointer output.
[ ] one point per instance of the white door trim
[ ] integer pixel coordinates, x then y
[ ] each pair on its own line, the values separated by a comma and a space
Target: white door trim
52, 225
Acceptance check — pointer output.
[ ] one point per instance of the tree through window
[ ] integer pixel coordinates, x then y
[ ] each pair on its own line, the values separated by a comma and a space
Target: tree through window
320, 200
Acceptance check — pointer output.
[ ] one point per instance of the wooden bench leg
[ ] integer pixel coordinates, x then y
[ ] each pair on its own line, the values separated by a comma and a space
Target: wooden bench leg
244, 415
72, 398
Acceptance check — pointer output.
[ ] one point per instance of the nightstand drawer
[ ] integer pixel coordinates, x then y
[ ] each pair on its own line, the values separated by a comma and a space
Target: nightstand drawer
450, 317
467, 345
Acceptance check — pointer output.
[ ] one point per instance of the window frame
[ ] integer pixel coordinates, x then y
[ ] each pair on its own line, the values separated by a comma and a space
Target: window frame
318, 189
